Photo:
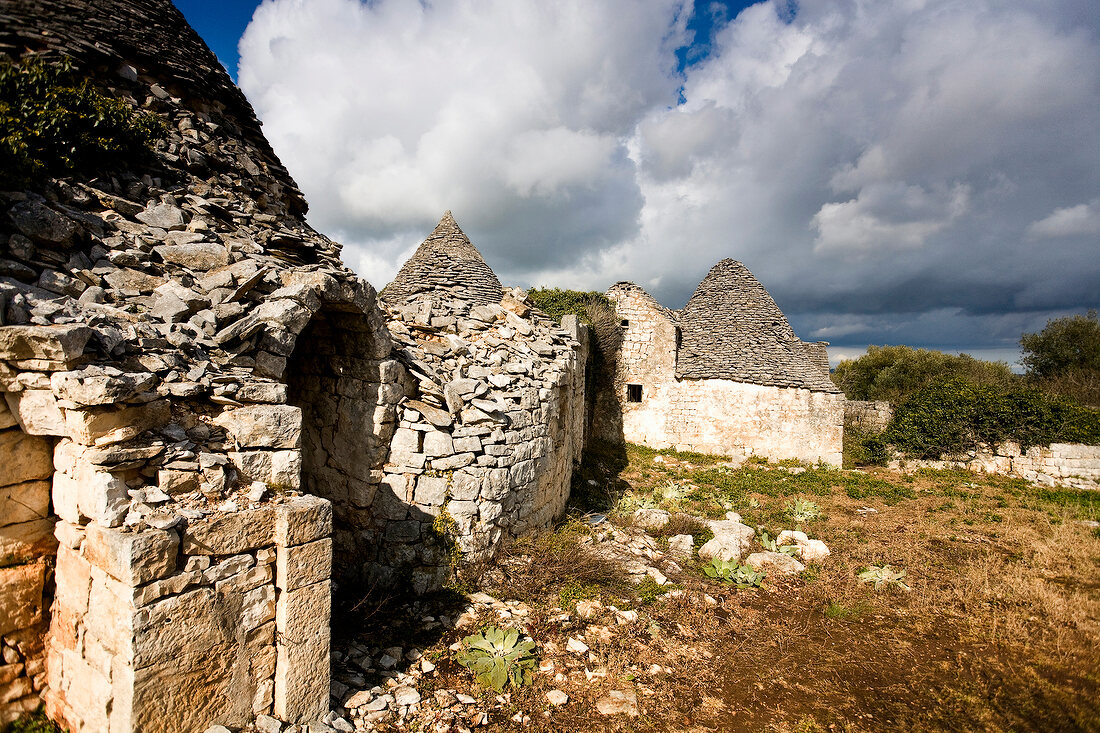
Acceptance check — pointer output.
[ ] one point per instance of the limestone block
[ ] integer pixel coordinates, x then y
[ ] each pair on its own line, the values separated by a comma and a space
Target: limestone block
132, 558
231, 534
24, 502
263, 426
7, 419
403, 531
405, 440
73, 578
302, 667
36, 411
191, 665
258, 607
26, 541
228, 567
279, 468
302, 519
57, 343
465, 487
24, 457
431, 490
87, 691
450, 463
437, 444
104, 426
303, 565
21, 596
773, 562
176, 481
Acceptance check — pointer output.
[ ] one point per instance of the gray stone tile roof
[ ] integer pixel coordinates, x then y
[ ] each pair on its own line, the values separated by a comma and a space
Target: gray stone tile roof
447, 262
732, 329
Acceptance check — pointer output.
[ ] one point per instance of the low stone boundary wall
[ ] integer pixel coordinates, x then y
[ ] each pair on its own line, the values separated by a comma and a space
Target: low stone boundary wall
1069, 464
871, 416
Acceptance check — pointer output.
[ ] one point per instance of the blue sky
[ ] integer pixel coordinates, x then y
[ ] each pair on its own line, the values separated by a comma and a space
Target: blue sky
923, 173
221, 23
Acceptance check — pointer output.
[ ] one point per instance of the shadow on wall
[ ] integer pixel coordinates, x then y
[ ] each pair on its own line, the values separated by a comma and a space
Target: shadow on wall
596, 483
348, 402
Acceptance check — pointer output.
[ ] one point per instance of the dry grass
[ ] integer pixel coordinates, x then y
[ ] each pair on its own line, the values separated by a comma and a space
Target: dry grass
998, 631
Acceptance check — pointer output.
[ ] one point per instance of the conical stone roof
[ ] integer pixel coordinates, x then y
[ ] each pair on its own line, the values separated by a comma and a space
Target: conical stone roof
447, 263
732, 329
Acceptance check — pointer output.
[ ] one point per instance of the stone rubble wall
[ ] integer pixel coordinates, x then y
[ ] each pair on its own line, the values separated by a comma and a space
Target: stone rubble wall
717, 416
27, 551
870, 416
487, 448
1069, 464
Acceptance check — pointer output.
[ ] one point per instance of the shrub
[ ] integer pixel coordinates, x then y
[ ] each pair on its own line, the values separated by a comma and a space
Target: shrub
862, 448
556, 302
733, 573
53, 124
894, 372
954, 416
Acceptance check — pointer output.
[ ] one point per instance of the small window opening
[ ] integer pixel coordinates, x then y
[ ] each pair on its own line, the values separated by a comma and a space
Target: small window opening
679, 337
624, 323
633, 393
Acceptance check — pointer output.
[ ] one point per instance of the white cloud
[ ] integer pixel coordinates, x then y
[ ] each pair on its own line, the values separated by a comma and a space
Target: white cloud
1082, 219
863, 158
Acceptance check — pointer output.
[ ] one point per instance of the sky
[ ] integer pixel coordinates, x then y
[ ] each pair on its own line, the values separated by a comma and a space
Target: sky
922, 172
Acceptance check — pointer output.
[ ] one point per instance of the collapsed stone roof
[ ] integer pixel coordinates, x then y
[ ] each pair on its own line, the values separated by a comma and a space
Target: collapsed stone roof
732, 329
446, 263
627, 287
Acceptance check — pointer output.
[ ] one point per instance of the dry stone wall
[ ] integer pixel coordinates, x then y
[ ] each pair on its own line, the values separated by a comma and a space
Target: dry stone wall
490, 436
868, 415
1067, 464
27, 550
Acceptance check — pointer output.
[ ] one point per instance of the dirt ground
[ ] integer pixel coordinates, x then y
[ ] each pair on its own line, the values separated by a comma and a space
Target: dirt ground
998, 629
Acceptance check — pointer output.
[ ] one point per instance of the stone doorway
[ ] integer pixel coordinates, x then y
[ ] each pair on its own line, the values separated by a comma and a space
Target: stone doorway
348, 394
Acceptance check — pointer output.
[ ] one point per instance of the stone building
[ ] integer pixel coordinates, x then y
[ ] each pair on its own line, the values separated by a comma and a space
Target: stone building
210, 431
724, 375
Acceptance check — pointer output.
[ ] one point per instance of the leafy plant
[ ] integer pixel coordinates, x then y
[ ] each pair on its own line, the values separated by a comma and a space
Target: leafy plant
883, 576
498, 656
769, 544
954, 416
52, 123
803, 510
734, 573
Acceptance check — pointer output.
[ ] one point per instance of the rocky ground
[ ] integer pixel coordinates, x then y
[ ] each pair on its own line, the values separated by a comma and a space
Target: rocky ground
989, 628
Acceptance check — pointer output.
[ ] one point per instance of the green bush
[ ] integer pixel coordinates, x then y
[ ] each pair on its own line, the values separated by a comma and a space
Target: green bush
953, 415
556, 302
52, 124
1064, 358
862, 448
894, 372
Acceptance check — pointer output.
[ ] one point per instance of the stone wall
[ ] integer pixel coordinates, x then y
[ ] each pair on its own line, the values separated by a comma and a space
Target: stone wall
1068, 464
27, 550
218, 619
718, 416
870, 416
737, 419
490, 436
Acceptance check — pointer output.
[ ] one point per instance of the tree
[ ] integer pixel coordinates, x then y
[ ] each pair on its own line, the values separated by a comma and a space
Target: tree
1065, 344
894, 372
1064, 358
